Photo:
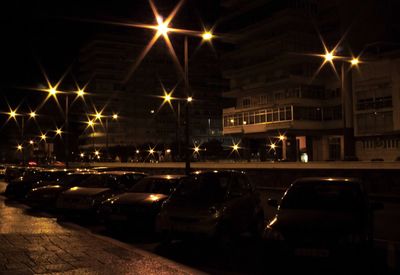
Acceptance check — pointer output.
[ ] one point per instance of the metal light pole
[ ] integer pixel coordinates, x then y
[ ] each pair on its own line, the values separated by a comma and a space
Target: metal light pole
186, 70
67, 131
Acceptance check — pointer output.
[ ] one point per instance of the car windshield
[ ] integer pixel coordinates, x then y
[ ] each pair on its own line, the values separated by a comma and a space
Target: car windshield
205, 187
102, 180
332, 195
155, 185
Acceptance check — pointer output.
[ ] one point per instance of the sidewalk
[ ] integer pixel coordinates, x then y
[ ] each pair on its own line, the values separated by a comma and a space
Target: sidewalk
39, 245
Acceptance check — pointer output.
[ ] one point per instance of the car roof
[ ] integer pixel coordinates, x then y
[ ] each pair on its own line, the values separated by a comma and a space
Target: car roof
117, 173
327, 179
168, 177
201, 172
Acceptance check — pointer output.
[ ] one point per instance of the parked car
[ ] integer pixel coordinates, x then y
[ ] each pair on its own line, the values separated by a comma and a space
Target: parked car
12, 172
86, 198
140, 205
46, 196
32, 178
321, 217
212, 204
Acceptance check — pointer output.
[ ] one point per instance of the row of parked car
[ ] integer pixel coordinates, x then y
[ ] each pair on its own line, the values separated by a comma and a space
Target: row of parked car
316, 216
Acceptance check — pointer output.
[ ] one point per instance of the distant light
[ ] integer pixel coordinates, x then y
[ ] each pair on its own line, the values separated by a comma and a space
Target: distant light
167, 97
329, 56
189, 99
354, 61
235, 147
90, 123
232, 120
207, 36
31, 142
196, 149
59, 132
82, 155
153, 197
168, 151
43, 137
19, 147
80, 92
96, 153
115, 116
12, 114
98, 116
151, 151
282, 137
137, 151
32, 114
244, 122
272, 146
151, 111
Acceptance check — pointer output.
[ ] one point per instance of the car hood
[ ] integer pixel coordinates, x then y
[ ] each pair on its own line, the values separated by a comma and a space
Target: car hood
138, 198
311, 220
85, 191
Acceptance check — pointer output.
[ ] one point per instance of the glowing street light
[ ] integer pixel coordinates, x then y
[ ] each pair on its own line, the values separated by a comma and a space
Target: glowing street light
162, 26
53, 91
43, 137
281, 137
115, 116
31, 142
82, 155
32, 114
354, 61
58, 131
272, 146
19, 147
189, 99
207, 36
80, 93
329, 56
97, 153
12, 114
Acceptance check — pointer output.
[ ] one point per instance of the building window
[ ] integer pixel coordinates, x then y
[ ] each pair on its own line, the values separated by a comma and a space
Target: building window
246, 102
376, 122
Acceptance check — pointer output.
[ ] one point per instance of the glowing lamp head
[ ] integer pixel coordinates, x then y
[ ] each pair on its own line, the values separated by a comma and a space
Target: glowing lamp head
80, 92
31, 142
13, 114
90, 123
43, 137
52, 91
196, 149
168, 151
354, 61
189, 99
273, 146
115, 116
97, 153
281, 137
329, 56
137, 151
167, 98
235, 147
82, 155
207, 36
32, 115
151, 151
19, 147
58, 132
162, 26
98, 116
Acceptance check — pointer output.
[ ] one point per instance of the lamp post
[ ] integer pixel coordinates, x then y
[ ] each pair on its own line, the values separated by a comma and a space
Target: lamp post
347, 63
13, 115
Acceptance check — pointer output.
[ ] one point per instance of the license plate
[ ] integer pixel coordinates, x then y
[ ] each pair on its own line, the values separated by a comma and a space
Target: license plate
311, 252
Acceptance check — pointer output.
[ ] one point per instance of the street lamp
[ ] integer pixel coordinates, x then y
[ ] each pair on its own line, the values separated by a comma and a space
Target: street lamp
347, 97
99, 116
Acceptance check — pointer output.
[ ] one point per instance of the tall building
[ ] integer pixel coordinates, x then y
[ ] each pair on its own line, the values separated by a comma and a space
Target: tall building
143, 119
284, 109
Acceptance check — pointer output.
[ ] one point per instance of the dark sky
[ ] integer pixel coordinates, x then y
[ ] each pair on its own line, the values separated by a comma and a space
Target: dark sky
51, 32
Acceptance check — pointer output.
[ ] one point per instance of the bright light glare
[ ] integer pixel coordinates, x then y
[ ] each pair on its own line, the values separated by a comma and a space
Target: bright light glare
273, 146
115, 116
19, 147
31, 142
43, 137
162, 26
167, 98
329, 57
235, 147
189, 99
58, 132
32, 114
207, 36
96, 153
12, 114
281, 137
80, 92
82, 155
354, 61
53, 91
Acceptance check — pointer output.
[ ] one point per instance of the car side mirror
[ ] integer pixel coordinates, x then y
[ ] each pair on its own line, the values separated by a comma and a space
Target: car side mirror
272, 203
376, 205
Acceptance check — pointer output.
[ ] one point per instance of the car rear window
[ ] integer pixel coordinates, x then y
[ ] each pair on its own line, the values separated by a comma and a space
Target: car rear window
333, 195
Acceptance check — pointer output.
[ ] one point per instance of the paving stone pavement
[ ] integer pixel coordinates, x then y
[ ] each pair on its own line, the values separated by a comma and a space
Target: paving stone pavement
32, 244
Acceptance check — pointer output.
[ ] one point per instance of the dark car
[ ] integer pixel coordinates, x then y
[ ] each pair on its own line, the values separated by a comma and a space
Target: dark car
212, 204
321, 217
12, 172
46, 196
32, 178
141, 204
86, 198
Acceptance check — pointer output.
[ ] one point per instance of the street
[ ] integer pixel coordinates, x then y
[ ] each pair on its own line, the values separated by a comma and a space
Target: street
37, 242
